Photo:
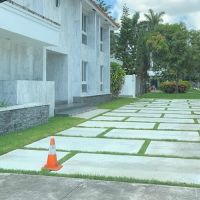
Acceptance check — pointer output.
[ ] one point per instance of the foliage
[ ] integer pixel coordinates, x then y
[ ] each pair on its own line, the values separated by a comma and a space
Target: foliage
169, 55
153, 18
117, 79
187, 84
3, 104
192, 72
104, 6
170, 87
125, 47
132, 47
191, 94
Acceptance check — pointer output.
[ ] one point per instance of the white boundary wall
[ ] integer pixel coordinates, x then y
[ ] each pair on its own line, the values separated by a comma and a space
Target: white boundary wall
129, 87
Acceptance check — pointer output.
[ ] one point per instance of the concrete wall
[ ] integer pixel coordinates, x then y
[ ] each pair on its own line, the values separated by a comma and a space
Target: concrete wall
17, 118
57, 71
20, 61
129, 87
46, 8
24, 55
23, 92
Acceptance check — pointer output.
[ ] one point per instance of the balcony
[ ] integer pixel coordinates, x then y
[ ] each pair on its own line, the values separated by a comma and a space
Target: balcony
19, 22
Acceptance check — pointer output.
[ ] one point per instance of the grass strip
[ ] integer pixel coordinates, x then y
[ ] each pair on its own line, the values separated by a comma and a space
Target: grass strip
144, 147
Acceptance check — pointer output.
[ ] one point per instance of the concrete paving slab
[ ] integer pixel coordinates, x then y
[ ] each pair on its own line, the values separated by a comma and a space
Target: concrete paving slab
28, 160
92, 113
134, 125
132, 114
163, 120
130, 108
196, 113
144, 108
91, 144
182, 127
167, 112
137, 167
85, 132
107, 118
183, 109
154, 134
125, 111
157, 106
179, 116
182, 149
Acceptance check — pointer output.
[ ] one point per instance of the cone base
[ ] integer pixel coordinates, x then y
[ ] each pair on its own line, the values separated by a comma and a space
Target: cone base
57, 168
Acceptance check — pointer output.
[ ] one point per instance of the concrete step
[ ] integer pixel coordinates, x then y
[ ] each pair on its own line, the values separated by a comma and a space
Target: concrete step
72, 109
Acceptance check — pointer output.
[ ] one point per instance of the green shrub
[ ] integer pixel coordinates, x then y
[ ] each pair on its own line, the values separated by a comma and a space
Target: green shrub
117, 79
186, 83
3, 104
170, 87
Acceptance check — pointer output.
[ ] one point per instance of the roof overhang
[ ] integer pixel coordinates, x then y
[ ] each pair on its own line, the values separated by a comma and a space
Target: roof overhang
107, 18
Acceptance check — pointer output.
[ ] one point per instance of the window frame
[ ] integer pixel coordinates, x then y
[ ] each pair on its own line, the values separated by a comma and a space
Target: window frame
84, 75
101, 77
101, 39
84, 29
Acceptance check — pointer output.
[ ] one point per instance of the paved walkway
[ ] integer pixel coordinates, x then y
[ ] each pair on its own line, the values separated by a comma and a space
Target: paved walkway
23, 187
150, 140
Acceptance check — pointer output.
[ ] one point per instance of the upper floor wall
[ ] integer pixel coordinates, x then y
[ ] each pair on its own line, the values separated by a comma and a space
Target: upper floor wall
47, 8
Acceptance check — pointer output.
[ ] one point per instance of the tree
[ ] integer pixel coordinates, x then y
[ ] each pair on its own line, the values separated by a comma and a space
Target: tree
174, 61
125, 43
117, 79
153, 18
142, 62
193, 69
104, 6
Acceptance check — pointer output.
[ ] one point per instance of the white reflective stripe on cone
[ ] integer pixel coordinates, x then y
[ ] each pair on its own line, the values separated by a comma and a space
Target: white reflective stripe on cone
52, 150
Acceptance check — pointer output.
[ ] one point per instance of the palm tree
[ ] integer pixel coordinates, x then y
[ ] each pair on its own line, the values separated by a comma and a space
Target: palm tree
154, 19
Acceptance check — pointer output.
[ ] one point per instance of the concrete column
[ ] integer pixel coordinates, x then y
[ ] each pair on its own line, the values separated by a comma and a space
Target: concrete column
44, 71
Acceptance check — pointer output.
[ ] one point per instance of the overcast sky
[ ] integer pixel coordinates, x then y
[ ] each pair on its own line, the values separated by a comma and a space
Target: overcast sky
187, 11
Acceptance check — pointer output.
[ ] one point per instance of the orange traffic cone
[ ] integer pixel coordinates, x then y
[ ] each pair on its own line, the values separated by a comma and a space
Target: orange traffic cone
52, 163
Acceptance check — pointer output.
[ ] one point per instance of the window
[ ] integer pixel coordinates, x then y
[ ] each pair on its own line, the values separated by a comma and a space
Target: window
84, 29
84, 76
101, 39
101, 77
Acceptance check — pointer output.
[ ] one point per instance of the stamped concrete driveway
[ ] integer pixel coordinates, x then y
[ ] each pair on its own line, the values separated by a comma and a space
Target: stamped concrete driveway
152, 140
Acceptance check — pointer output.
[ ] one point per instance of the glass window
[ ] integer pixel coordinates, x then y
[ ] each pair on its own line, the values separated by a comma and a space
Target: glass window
84, 23
84, 77
84, 71
101, 39
84, 29
101, 33
101, 77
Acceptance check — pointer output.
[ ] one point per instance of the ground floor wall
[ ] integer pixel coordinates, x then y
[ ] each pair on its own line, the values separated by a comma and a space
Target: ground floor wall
17, 118
20, 61
21, 92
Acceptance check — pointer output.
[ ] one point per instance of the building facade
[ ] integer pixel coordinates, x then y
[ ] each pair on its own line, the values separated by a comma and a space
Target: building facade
53, 51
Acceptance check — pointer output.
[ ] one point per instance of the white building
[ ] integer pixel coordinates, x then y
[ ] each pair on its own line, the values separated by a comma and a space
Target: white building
53, 51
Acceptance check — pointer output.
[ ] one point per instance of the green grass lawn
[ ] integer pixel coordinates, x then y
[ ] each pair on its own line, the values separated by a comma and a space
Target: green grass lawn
192, 94
116, 103
19, 139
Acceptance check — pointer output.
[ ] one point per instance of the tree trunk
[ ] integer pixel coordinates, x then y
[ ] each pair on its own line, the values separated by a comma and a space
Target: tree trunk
177, 82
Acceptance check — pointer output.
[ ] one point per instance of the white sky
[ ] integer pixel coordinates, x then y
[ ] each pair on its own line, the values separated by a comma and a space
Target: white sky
187, 11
